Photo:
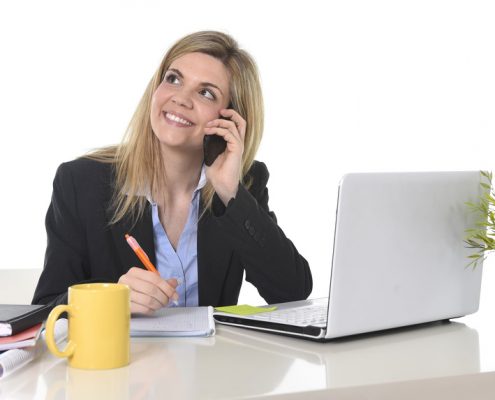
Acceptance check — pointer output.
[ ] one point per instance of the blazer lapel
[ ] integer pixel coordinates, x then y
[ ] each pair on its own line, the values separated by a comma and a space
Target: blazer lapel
142, 231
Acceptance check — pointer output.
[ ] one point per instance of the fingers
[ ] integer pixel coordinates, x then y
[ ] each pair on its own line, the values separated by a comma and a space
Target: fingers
232, 137
173, 282
149, 292
143, 304
225, 172
234, 116
235, 125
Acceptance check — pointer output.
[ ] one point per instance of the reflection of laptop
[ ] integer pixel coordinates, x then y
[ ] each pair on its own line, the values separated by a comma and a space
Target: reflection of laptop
399, 258
450, 348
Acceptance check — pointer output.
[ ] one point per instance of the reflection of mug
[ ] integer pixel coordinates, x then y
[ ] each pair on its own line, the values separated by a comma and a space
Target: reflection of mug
99, 319
89, 385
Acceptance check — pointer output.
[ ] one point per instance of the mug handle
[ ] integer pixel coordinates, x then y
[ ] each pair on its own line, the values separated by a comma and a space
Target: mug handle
49, 332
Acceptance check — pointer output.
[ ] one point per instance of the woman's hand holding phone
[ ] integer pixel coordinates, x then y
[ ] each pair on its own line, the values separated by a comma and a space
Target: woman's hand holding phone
225, 172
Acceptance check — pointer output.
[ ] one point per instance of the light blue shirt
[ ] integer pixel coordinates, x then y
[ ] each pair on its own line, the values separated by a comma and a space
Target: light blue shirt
182, 263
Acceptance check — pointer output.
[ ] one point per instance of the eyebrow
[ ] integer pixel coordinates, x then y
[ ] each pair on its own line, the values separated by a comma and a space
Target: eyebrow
202, 83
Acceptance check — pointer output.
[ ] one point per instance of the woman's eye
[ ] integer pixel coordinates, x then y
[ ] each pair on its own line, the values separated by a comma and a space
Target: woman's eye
172, 78
208, 94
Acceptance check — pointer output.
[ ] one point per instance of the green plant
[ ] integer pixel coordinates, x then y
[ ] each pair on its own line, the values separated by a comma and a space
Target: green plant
482, 237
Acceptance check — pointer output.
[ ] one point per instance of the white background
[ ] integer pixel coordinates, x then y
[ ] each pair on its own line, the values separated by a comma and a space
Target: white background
348, 85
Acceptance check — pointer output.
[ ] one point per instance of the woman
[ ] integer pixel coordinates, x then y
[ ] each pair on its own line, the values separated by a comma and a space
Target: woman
201, 226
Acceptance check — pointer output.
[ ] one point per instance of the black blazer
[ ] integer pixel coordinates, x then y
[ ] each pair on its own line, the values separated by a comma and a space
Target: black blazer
244, 236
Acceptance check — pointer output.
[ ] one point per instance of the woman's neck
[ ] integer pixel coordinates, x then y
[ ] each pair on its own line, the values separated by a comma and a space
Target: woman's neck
182, 172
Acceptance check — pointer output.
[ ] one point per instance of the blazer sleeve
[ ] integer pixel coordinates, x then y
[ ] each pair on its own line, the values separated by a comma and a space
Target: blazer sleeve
64, 262
271, 261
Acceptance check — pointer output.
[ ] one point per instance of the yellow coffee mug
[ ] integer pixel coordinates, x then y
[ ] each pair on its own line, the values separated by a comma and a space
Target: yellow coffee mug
99, 319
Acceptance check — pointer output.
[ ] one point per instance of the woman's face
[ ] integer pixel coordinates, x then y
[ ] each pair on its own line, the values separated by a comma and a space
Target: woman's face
194, 89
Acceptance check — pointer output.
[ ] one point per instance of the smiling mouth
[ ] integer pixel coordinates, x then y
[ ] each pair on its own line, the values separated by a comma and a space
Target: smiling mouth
178, 120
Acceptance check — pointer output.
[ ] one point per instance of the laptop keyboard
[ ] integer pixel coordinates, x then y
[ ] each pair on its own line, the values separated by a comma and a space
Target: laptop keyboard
315, 315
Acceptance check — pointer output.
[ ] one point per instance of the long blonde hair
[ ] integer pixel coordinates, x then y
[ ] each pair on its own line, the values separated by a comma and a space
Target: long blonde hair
138, 160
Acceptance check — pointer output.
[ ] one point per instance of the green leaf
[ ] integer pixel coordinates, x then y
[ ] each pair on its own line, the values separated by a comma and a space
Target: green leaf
482, 238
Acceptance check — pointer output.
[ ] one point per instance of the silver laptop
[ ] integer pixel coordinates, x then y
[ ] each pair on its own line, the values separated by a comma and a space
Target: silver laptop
399, 258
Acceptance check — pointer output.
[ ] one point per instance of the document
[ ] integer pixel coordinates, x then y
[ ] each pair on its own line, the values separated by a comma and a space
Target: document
175, 321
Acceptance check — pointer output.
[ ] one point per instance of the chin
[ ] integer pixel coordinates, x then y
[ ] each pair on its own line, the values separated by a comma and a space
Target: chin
181, 144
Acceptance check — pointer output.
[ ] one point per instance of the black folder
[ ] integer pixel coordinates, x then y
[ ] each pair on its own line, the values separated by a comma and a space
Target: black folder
15, 318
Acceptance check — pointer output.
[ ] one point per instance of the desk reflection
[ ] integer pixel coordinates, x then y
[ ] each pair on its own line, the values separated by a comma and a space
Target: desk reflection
179, 368
239, 362
420, 352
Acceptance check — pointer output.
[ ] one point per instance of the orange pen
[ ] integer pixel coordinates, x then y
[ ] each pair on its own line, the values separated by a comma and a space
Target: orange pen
143, 257
140, 253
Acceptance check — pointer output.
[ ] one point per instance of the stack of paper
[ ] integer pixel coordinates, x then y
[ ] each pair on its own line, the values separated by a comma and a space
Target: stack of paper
26, 338
13, 359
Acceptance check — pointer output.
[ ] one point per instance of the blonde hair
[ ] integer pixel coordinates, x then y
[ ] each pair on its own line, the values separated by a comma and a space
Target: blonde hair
138, 160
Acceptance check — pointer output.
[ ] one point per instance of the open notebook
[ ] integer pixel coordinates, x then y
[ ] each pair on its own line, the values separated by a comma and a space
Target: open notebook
175, 321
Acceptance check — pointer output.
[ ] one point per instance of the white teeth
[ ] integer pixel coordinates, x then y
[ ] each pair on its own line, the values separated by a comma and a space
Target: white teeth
175, 118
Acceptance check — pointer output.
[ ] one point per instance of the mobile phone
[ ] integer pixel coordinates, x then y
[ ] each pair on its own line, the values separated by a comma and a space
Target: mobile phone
213, 146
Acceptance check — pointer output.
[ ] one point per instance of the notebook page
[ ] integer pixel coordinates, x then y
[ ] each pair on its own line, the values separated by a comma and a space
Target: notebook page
175, 321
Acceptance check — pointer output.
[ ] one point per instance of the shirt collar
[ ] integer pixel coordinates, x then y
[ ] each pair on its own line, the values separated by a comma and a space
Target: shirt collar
202, 179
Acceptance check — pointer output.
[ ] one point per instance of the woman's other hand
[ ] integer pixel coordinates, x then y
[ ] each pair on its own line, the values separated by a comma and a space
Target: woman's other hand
149, 291
224, 174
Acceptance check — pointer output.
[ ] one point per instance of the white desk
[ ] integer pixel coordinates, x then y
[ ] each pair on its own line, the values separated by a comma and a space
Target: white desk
442, 360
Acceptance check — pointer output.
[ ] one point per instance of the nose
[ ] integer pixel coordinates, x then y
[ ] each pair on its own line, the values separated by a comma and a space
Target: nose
182, 99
